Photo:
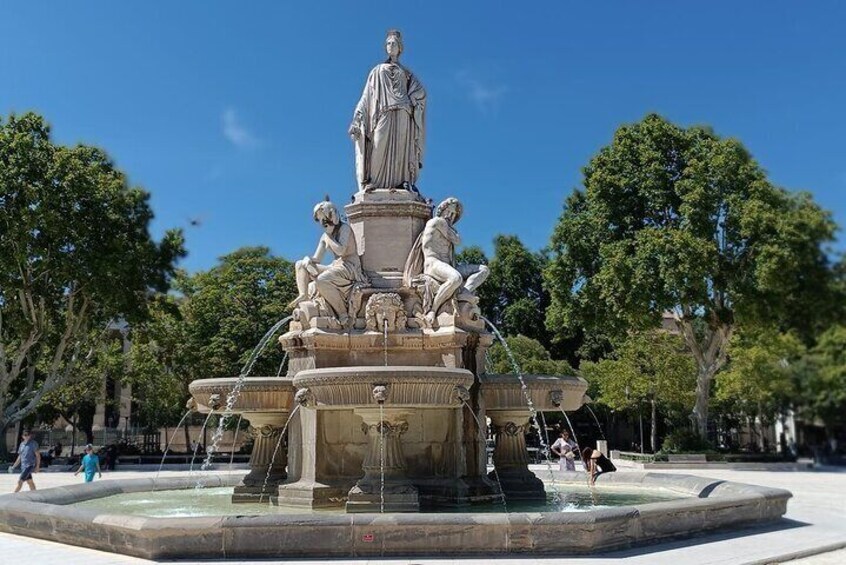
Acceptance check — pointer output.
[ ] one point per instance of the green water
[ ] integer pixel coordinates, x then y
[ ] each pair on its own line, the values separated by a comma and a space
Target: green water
217, 502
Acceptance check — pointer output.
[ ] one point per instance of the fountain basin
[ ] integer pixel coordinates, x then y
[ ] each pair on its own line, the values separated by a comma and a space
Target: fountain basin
266, 402
548, 393
709, 505
258, 394
415, 387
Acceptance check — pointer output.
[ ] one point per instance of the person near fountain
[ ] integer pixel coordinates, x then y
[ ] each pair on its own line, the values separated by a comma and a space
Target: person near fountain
333, 282
90, 464
596, 464
565, 448
29, 460
388, 124
434, 254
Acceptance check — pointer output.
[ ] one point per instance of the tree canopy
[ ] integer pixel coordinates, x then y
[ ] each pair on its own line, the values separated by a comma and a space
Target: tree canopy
679, 220
75, 252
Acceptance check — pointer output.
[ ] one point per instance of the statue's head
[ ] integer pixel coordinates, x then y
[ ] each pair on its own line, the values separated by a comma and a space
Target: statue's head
393, 43
326, 214
450, 210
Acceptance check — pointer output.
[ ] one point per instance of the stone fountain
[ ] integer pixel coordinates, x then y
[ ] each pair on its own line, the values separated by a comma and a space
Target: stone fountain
387, 344
383, 402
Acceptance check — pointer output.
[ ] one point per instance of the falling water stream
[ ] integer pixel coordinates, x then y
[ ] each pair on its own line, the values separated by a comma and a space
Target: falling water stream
282, 364
595, 419
534, 413
170, 442
235, 441
381, 429
276, 452
483, 437
197, 443
232, 397
572, 432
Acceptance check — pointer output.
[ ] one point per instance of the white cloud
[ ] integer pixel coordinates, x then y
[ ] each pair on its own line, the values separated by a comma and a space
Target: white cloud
484, 95
235, 131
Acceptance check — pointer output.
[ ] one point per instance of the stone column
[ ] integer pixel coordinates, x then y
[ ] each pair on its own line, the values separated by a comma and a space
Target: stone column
268, 429
384, 428
510, 458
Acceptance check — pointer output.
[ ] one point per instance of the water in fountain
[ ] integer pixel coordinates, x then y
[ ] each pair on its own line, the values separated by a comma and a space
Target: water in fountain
235, 441
197, 441
282, 364
385, 339
484, 439
170, 442
595, 419
381, 458
232, 397
536, 423
572, 432
276, 452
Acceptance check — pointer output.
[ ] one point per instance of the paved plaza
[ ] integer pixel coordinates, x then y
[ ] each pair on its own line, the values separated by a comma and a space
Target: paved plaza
813, 532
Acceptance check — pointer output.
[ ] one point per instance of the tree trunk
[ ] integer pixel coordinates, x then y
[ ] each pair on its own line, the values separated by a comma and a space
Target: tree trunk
710, 356
4, 447
653, 434
73, 435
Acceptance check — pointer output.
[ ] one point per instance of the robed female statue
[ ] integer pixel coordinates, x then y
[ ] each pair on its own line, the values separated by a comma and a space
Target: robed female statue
388, 126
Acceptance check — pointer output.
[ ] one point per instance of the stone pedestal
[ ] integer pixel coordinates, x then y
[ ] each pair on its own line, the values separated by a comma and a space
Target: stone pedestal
264, 466
385, 486
510, 457
386, 223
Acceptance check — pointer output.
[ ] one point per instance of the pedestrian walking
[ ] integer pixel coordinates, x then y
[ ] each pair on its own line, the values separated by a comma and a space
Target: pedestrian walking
29, 460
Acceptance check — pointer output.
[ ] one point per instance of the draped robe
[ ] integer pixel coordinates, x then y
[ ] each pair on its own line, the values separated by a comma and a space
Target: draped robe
390, 116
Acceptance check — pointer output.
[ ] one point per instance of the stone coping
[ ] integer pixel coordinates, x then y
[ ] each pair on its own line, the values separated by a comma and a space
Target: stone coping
710, 505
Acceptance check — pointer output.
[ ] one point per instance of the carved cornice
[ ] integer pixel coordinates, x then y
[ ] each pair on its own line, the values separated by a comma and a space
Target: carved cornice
548, 392
408, 386
361, 210
257, 394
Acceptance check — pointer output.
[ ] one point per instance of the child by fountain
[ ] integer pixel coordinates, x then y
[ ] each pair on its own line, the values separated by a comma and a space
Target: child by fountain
596, 464
565, 448
90, 464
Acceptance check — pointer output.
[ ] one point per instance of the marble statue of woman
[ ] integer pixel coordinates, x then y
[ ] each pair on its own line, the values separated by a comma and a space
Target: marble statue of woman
388, 125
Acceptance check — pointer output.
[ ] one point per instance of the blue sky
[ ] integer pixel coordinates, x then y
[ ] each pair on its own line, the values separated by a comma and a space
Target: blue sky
236, 113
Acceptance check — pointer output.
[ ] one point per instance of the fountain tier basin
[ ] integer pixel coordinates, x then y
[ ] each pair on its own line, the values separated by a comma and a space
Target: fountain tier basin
266, 403
380, 438
709, 505
401, 386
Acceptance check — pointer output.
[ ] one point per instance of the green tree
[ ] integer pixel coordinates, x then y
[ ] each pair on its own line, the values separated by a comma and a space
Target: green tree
649, 367
157, 365
760, 380
513, 297
75, 252
682, 221
530, 355
822, 382
228, 309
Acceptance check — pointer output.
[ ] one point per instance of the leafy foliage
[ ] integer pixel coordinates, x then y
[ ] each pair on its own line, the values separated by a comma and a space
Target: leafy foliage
228, 308
685, 440
649, 365
530, 355
761, 377
680, 220
75, 252
823, 378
